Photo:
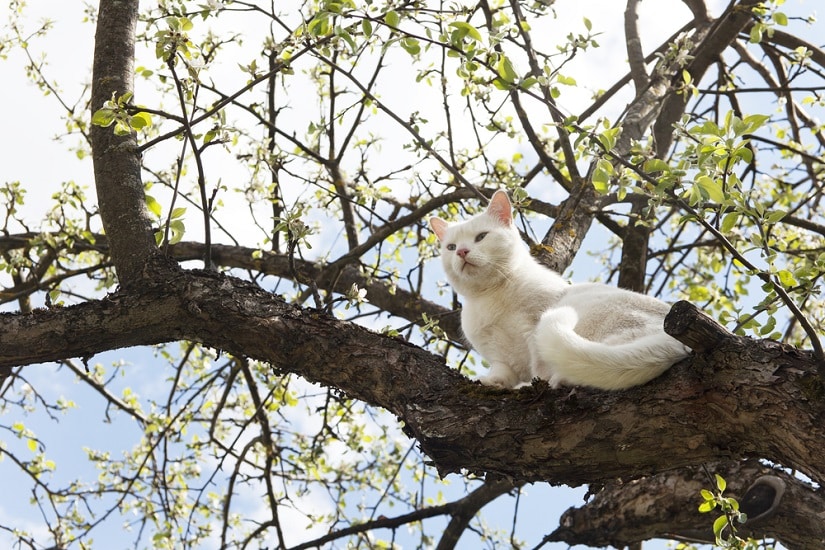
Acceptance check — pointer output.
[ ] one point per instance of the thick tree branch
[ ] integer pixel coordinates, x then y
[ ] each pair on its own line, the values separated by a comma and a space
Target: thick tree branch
698, 9
633, 42
741, 398
667, 505
465, 509
711, 40
116, 159
792, 42
396, 301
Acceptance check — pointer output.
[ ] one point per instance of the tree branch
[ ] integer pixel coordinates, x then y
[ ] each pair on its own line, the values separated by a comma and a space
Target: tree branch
621, 514
635, 54
116, 159
465, 509
739, 399
711, 39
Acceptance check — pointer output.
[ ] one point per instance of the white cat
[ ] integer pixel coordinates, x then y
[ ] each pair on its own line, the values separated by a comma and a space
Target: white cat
529, 322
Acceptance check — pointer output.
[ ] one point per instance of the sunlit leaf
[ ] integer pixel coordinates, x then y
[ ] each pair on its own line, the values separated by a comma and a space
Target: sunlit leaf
140, 120
712, 187
721, 484
103, 117
153, 205
392, 18
467, 29
505, 69
718, 525
786, 278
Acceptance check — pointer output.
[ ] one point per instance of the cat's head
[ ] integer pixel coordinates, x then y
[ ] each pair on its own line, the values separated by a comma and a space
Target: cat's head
479, 254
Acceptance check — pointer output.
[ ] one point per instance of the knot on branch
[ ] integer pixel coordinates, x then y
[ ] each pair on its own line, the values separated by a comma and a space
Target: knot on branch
689, 325
762, 498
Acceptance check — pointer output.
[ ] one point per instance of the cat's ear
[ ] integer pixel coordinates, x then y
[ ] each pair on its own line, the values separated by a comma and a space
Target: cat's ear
500, 208
439, 227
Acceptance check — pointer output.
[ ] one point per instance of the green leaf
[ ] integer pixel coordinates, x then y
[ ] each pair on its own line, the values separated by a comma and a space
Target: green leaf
720, 523
103, 117
411, 45
500, 84
712, 188
125, 98
566, 80
775, 216
655, 165
320, 25
505, 69
768, 327
756, 33
707, 506
122, 128
467, 29
392, 18
780, 19
601, 176
177, 229
32, 445
601, 182
754, 122
178, 212
729, 221
343, 33
366, 26
721, 484
609, 137
140, 120
54, 295
153, 205
786, 278
743, 153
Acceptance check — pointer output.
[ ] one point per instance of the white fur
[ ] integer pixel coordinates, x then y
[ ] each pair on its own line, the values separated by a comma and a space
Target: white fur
529, 322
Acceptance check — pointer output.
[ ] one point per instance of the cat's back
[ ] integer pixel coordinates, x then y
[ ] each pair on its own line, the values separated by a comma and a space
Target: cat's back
600, 296
609, 314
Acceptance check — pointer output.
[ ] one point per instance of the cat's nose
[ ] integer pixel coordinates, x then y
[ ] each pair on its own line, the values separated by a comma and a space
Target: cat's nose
462, 252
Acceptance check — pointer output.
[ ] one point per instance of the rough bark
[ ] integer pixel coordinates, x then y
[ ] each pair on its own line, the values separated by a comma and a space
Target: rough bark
395, 300
738, 398
116, 159
624, 513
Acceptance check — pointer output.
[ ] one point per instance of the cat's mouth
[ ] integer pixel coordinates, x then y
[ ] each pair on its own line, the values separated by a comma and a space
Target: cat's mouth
466, 263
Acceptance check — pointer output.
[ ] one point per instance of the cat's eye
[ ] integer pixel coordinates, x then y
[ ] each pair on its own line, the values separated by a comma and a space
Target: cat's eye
480, 236
450, 246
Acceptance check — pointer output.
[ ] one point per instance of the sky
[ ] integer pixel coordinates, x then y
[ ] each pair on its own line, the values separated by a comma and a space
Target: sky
32, 132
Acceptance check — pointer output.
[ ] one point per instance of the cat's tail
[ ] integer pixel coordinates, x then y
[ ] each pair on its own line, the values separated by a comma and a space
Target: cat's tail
565, 357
